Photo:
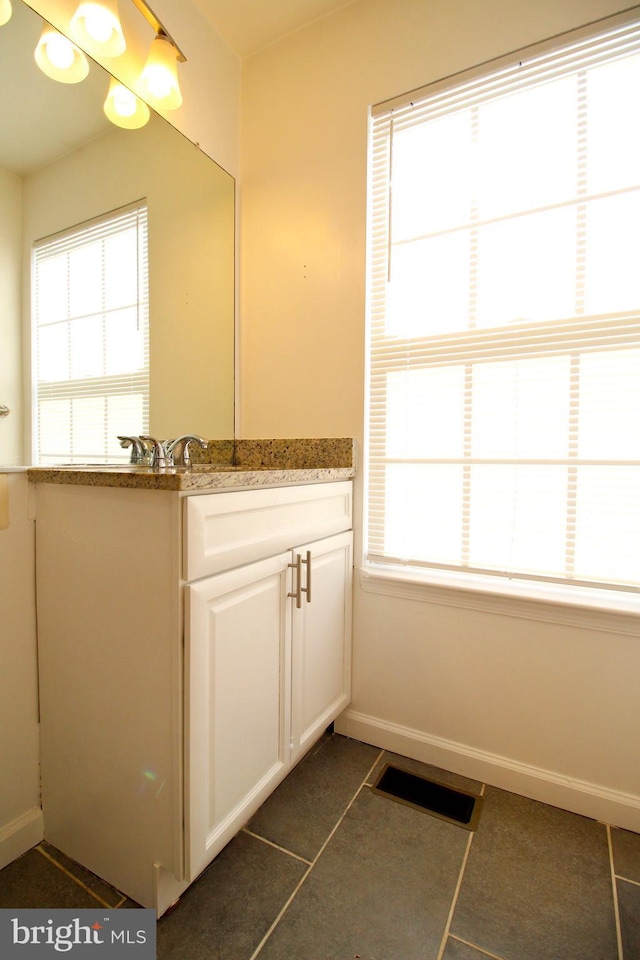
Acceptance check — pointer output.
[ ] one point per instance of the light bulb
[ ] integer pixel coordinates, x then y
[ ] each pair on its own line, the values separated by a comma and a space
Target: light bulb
5, 12
96, 27
98, 24
158, 82
59, 51
124, 102
59, 58
123, 108
159, 78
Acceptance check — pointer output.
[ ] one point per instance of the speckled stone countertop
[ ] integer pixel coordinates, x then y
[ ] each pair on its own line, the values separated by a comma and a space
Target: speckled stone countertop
226, 464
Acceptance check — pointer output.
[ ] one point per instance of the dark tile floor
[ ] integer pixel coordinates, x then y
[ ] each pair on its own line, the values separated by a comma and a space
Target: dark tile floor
329, 870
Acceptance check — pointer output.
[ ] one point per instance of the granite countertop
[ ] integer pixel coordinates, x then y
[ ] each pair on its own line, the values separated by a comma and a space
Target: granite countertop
224, 465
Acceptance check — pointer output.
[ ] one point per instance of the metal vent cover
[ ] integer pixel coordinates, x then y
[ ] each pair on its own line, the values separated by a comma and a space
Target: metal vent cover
429, 796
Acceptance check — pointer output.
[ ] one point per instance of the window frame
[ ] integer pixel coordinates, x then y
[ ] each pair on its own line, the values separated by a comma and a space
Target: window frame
111, 223
530, 597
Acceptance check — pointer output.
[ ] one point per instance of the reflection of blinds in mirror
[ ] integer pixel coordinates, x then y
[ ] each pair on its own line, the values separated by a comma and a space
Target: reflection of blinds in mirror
90, 319
504, 319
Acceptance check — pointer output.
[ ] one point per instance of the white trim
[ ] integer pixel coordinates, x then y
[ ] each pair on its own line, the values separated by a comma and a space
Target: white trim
588, 799
602, 610
20, 835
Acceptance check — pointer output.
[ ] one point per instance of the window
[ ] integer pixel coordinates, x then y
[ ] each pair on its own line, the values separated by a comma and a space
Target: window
90, 323
504, 320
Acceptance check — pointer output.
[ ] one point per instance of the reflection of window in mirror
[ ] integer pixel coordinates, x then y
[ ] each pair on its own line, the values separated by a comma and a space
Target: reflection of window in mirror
91, 338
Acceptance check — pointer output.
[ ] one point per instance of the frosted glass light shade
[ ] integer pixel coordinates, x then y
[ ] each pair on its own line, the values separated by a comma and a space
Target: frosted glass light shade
159, 78
96, 27
123, 108
5, 11
59, 58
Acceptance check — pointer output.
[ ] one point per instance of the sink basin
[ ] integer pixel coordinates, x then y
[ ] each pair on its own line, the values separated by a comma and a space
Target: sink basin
194, 467
100, 466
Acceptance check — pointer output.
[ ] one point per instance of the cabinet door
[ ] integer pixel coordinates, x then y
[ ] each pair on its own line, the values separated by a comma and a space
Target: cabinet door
237, 710
321, 648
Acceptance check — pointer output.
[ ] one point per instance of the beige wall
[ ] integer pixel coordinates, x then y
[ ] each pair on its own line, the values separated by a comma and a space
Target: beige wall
303, 187
11, 351
523, 699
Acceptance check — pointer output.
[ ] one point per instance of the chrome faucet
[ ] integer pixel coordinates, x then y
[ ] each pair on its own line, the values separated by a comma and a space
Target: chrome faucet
139, 451
178, 450
157, 451
162, 453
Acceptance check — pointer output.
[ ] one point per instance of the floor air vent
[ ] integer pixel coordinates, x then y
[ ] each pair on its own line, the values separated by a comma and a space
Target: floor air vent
429, 796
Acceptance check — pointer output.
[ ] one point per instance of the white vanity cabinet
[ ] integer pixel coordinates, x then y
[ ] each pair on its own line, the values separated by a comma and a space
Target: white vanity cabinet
184, 667
321, 646
268, 650
266, 677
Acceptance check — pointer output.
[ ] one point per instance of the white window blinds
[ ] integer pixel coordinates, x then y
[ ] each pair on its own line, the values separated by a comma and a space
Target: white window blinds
90, 321
504, 320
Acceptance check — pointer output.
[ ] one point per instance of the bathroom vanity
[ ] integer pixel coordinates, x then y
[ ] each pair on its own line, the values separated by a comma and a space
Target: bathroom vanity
194, 642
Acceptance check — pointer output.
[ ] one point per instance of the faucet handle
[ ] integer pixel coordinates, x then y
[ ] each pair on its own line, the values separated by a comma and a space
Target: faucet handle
139, 452
188, 440
183, 443
158, 454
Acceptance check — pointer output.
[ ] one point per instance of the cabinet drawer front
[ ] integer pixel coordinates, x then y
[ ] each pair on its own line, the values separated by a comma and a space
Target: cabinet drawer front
226, 530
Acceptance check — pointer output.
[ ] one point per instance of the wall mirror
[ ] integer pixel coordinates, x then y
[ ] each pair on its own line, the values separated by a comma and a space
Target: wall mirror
72, 164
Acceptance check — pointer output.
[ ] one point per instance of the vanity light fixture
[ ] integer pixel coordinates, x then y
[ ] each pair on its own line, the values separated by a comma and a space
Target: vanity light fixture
5, 12
159, 78
96, 27
59, 58
123, 108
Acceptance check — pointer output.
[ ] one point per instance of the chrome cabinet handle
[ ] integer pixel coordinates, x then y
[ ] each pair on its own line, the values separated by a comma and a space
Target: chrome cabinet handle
297, 593
307, 589
299, 589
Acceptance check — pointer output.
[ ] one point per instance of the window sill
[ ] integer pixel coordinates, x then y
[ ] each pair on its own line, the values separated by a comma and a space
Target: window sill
608, 611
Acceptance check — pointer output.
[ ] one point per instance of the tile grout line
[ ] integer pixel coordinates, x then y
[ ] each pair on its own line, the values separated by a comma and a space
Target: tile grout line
372, 768
614, 891
276, 846
454, 900
456, 892
635, 883
281, 913
95, 896
474, 946
300, 883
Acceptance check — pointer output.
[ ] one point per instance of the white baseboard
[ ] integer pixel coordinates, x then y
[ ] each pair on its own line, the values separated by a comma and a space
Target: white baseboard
588, 799
20, 835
